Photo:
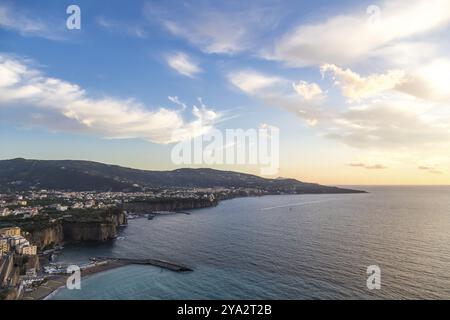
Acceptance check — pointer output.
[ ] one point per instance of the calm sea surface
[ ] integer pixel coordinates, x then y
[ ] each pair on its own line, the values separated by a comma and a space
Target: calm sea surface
284, 247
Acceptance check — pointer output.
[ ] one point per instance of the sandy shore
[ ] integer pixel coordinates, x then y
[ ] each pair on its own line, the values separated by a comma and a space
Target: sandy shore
59, 281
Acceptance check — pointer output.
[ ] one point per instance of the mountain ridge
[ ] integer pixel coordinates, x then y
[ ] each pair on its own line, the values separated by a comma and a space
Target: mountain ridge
85, 175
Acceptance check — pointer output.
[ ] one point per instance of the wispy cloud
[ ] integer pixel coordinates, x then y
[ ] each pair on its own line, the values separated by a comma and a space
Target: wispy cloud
121, 27
279, 92
251, 82
217, 27
60, 105
349, 38
391, 74
28, 24
429, 169
183, 64
368, 166
385, 123
177, 101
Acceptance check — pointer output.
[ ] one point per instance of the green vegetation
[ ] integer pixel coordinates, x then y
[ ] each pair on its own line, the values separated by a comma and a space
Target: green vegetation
31, 224
89, 215
48, 219
86, 176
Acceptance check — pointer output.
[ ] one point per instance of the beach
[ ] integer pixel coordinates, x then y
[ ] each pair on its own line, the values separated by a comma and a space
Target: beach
55, 282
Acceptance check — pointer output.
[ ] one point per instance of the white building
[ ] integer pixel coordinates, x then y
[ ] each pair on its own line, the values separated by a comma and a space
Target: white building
27, 250
4, 212
61, 208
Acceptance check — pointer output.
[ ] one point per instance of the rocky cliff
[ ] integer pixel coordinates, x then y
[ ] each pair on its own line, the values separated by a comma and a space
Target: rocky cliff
99, 228
47, 237
78, 226
167, 205
9, 278
88, 231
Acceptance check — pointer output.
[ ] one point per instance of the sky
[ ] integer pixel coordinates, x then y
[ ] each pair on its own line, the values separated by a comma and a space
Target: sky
359, 90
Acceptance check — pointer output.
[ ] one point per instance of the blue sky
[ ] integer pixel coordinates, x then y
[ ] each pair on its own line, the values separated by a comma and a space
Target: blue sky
356, 100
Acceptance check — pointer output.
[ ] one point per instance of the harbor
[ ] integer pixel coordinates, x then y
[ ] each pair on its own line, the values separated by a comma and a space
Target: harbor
57, 277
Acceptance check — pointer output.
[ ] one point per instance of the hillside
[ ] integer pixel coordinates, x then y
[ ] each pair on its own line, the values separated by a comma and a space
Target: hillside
76, 175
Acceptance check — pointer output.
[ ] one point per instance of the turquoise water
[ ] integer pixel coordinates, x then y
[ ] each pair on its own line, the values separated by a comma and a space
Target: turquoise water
284, 247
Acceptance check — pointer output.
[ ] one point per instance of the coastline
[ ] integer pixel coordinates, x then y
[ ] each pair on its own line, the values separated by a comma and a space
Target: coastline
57, 282
54, 284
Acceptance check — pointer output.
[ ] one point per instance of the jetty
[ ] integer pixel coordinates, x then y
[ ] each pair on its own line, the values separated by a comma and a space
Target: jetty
98, 264
153, 262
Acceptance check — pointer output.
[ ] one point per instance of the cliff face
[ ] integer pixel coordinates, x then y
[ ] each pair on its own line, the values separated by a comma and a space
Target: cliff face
173, 205
78, 229
119, 218
89, 231
48, 237
94, 231
9, 278
10, 272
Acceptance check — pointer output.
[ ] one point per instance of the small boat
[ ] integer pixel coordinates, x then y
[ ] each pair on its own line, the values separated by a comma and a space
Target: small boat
48, 251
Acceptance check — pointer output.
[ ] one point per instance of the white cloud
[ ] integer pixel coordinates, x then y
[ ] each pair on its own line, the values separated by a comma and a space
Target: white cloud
46, 99
406, 53
428, 81
10, 71
251, 82
279, 92
346, 39
391, 121
308, 91
183, 64
355, 87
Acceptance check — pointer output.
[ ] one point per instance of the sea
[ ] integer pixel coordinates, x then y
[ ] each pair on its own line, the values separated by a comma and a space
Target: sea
284, 247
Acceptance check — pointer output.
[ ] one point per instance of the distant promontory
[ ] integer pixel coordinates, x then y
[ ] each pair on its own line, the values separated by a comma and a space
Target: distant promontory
77, 175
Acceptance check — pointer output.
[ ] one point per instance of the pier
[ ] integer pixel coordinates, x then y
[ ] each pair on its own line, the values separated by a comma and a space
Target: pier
153, 262
99, 264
